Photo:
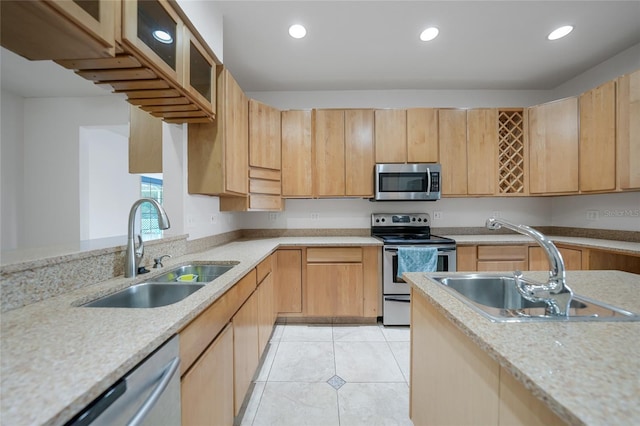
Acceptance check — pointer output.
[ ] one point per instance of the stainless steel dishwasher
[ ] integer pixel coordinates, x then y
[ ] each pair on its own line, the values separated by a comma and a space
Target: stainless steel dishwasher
147, 395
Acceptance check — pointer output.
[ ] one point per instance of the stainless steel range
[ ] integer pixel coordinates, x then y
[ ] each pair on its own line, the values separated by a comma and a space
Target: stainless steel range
412, 229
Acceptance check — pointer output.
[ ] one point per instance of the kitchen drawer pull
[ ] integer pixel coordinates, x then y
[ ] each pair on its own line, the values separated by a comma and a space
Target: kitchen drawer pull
148, 404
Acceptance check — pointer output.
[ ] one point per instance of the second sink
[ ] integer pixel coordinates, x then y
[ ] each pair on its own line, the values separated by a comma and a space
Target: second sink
497, 298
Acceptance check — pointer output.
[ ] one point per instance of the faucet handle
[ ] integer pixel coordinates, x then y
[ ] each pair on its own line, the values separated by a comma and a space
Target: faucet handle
140, 249
157, 262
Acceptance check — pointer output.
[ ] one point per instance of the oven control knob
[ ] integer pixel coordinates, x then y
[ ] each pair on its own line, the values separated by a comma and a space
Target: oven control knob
414, 219
383, 219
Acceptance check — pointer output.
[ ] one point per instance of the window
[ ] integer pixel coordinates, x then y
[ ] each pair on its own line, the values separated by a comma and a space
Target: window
150, 188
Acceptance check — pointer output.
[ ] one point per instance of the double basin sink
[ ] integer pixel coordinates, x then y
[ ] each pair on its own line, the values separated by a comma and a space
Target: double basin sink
165, 289
497, 298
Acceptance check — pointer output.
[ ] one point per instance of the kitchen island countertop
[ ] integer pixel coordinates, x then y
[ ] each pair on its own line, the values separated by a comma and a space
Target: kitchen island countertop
57, 357
594, 243
586, 372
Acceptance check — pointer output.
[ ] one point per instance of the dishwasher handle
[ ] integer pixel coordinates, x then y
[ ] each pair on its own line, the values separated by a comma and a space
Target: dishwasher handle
151, 400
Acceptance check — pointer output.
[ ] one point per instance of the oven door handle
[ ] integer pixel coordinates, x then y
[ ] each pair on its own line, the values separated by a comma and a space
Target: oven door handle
403, 299
441, 249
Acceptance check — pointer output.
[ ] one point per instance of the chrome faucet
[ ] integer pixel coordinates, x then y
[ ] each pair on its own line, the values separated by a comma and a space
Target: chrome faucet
134, 254
555, 293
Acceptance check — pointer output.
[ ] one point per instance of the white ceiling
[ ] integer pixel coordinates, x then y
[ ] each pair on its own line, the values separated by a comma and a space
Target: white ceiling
375, 44
358, 45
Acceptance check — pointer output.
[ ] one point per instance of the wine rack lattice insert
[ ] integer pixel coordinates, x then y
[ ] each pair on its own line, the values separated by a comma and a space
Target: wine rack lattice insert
511, 152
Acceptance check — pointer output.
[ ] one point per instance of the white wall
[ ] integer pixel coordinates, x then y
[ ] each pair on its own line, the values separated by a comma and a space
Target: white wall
603, 211
623, 63
11, 165
356, 213
107, 190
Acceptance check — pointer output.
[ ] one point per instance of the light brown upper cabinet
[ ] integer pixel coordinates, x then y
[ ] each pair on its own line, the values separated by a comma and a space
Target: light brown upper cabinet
218, 152
153, 29
359, 152
452, 139
199, 77
391, 135
297, 158
598, 138
145, 142
264, 162
58, 29
482, 141
329, 153
422, 135
628, 131
264, 136
553, 142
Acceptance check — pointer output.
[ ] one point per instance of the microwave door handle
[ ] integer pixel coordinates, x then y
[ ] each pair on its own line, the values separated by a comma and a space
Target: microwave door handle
428, 181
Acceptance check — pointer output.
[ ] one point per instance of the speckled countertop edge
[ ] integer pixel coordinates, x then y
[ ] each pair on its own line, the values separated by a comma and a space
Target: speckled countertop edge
587, 373
57, 357
618, 246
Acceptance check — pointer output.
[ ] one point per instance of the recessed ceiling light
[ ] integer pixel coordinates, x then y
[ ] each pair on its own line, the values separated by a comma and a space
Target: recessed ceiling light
429, 34
560, 32
162, 36
297, 31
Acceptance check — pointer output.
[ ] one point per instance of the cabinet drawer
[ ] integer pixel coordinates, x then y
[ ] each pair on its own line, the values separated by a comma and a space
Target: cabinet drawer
502, 252
265, 202
334, 254
260, 186
197, 335
264, 268
505, 265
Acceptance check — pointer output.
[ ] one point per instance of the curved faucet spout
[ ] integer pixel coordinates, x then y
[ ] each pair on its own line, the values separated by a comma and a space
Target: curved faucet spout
556, 293
132, 259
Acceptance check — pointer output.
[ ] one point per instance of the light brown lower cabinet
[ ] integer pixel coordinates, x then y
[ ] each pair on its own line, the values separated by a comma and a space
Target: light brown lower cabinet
266, 302
207, 388
245, 348
454, 382
288, 281
538, 259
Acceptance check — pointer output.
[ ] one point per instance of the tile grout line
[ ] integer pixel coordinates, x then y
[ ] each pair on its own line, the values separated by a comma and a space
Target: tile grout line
335, 370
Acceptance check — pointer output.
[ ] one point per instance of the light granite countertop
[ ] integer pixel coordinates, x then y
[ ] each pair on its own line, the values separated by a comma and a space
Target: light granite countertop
613, 245
58, 357
586, 372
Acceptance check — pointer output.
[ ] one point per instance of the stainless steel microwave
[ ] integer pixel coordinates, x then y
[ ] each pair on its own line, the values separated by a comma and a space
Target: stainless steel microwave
407, 182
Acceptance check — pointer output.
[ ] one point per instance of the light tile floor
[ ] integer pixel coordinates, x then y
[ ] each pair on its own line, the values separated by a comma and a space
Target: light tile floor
323, 375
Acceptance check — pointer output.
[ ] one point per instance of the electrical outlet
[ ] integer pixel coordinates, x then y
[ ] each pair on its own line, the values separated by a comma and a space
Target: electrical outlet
593, 215
273, 217
496, 214
191, 221
315, 216
437, 215
214, 218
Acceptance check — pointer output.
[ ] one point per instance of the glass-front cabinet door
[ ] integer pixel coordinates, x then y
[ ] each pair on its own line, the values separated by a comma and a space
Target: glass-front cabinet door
199, 73
155, 31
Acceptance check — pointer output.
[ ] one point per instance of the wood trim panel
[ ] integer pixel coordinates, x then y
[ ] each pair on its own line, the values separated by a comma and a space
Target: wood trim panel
297, 160
446, 368
334, 254
197, 335
482, 151
145, 142
372, 283
265, 202
359, 156
329, 153
452, 140
264, 268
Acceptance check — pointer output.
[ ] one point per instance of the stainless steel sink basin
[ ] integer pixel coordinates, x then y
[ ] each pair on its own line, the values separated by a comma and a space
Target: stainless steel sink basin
497, 298
146, 295
202, 273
